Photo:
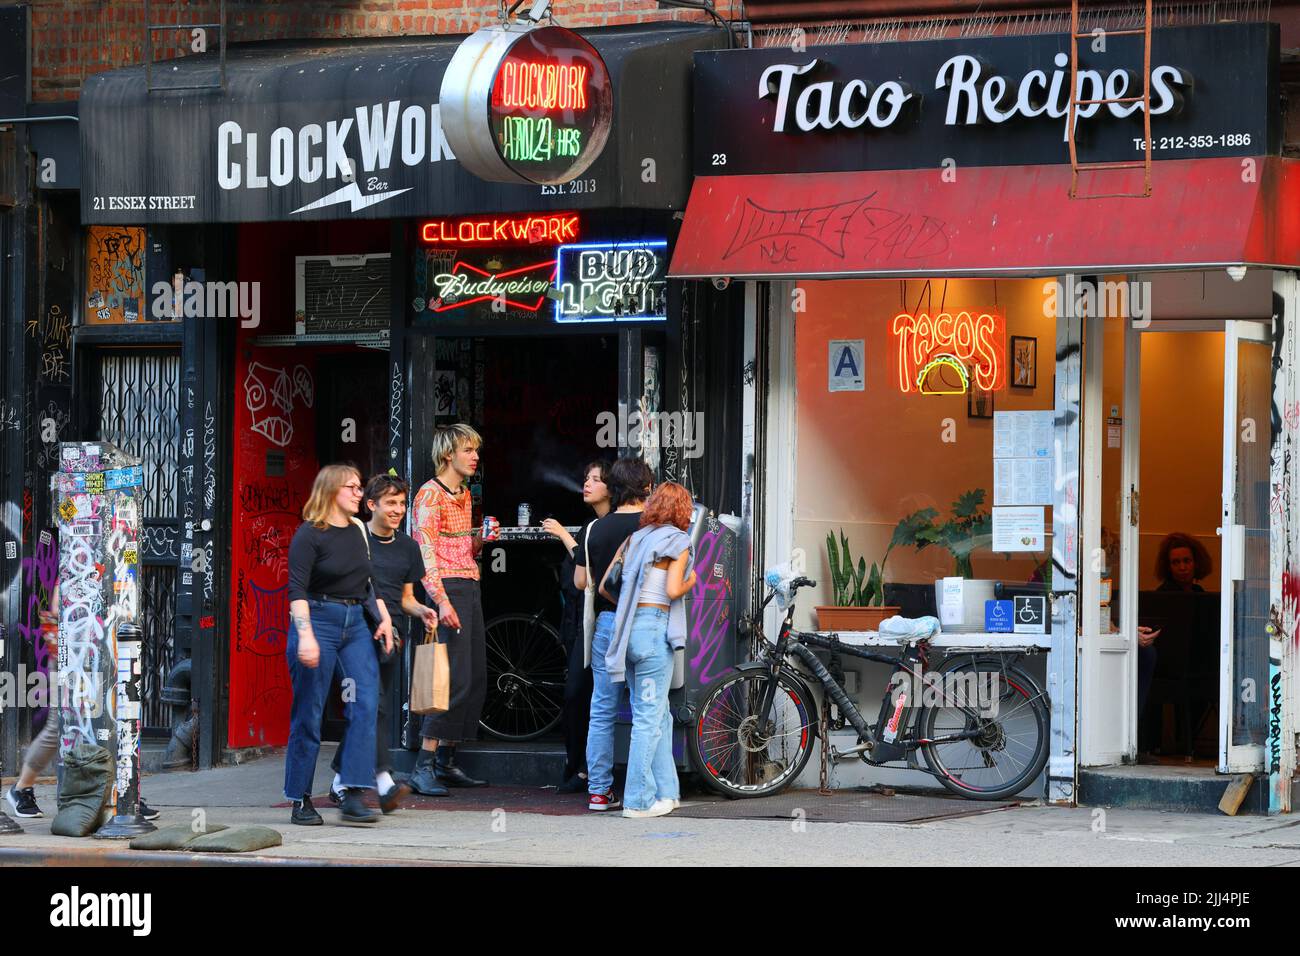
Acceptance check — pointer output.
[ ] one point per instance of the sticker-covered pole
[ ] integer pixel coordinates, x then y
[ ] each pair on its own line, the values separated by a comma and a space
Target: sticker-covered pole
97, 506
7, 825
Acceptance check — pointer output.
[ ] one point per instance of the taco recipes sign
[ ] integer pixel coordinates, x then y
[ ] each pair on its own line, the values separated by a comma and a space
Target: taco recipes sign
985, 102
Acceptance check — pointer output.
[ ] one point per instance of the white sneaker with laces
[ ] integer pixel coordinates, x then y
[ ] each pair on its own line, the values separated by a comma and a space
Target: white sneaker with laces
657, 809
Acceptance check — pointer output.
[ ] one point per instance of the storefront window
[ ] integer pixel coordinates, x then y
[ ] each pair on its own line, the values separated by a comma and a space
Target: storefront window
905, 447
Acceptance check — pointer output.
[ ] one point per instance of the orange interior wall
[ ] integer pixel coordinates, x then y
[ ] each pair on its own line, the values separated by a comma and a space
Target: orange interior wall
865, 459
1182, 444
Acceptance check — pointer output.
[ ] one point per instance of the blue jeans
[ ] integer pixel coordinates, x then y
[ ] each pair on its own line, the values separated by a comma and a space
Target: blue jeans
344, 638
651, 772
604, 708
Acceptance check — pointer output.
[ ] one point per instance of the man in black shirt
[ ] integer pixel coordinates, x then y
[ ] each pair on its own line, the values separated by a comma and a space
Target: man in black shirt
630, 481
397, 567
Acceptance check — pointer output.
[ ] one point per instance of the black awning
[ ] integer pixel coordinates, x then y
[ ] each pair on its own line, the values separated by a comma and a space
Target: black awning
204, 155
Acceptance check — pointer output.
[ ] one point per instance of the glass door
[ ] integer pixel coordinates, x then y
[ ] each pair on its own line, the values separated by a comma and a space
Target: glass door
1244, 664
1109, 537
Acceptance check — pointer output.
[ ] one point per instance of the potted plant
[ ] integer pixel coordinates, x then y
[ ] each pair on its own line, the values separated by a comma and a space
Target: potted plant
969, 526
859, 594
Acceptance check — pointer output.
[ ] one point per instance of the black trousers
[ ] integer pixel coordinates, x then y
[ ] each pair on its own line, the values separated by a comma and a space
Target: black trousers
389, 676
577, 708
467, 656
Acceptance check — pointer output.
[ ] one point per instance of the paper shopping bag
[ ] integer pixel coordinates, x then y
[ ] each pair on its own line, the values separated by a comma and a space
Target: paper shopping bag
431, 678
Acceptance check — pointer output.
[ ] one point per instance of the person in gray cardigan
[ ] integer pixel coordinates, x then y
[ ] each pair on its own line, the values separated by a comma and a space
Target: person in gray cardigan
649, 625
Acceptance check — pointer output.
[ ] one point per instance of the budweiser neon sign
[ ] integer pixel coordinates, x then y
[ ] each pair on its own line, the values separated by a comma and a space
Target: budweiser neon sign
973, 340
552, 228
522, 288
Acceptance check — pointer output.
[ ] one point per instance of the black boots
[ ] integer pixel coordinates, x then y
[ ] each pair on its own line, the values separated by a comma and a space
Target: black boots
304, 814
445, 769
353, 810
423, 779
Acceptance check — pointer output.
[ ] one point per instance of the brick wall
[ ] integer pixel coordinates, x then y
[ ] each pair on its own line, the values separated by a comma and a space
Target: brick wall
72, 39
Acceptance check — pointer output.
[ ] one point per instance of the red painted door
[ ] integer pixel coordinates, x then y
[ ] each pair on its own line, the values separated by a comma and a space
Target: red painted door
274, 465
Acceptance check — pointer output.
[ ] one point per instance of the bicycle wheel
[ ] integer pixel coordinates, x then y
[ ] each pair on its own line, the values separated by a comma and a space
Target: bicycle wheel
736, 757
526, 668
1010, 713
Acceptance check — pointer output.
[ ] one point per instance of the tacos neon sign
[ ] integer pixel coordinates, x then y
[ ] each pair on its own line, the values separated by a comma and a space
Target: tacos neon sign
974, 340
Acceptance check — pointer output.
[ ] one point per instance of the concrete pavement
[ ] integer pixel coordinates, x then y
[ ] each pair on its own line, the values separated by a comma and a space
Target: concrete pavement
555, 830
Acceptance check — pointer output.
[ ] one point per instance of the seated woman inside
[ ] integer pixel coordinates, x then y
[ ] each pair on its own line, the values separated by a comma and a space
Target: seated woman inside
1177, 640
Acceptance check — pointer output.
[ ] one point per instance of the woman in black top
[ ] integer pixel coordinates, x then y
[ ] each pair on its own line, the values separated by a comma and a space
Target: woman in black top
329, 570
630, 481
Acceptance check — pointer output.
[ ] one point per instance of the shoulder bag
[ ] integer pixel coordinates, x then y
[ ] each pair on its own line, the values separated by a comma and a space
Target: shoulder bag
370, 605
588, 602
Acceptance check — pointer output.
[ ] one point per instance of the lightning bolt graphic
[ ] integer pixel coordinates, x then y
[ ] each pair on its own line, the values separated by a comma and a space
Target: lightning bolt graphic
352, 194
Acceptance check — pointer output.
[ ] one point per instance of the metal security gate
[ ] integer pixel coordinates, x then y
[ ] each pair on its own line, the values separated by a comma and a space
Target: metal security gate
138, 395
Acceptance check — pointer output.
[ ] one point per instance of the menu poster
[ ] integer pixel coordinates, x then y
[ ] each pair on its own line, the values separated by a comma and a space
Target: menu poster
1018, 529
1022, 481
1023, 434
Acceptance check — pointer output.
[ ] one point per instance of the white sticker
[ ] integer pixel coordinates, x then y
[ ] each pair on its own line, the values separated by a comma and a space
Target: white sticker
846, 371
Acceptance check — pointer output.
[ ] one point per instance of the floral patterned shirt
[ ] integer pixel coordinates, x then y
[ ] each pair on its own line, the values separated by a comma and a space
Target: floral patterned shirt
442, 525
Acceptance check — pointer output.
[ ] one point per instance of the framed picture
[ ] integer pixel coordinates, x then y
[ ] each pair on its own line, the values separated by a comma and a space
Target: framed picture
979, 401
1024, 362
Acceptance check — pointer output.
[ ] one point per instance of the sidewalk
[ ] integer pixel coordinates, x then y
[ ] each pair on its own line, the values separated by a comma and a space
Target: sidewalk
531, 826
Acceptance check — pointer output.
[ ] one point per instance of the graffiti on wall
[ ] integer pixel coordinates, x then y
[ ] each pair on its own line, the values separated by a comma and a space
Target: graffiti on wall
114, 274
269, 396
711, 605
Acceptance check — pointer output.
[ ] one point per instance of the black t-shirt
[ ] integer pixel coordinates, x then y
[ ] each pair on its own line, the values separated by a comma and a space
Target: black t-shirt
394, 564
602, 542
329, 561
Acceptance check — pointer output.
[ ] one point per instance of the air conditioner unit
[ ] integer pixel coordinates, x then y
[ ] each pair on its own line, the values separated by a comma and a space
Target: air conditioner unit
342, 293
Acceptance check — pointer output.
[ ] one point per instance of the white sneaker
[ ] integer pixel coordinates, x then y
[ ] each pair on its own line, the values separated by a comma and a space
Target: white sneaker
657, 809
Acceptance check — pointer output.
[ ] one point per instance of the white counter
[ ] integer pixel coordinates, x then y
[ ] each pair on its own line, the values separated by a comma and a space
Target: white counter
980, 642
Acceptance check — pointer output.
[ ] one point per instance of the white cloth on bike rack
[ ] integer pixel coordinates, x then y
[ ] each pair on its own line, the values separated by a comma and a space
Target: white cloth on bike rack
910, 627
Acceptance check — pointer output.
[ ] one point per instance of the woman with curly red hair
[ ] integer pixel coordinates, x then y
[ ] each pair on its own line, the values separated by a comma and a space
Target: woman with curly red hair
649, 625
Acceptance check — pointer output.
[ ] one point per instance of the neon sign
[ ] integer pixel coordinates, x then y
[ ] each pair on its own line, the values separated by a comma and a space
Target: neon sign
526, 103
540, 86
554, 228
467, 284
926, 343
619, 282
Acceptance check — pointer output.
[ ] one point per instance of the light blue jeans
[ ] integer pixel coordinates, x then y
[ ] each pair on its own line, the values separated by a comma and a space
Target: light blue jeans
605, 698
651, 772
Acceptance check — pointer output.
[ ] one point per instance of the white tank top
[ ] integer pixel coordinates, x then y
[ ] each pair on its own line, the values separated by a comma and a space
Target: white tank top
654, 587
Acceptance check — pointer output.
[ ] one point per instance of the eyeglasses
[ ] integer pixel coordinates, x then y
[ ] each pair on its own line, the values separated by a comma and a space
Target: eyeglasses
353, 487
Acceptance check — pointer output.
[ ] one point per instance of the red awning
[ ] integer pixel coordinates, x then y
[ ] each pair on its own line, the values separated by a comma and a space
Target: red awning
1003, 220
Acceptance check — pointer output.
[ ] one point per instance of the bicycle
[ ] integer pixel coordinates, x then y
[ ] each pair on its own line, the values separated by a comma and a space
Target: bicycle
526, 670
754, 727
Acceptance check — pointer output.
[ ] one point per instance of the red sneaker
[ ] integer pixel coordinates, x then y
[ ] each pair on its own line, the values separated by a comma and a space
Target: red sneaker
603, 801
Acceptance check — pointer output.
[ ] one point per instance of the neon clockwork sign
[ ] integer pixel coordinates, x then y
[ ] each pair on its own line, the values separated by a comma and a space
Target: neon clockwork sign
522, 103
974, 341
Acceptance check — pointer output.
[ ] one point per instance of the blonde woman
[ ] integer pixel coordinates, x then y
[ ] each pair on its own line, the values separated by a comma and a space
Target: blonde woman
329, 572
443, 526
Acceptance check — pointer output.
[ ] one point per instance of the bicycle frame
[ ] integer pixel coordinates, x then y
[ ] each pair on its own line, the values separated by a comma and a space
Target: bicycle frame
913, 660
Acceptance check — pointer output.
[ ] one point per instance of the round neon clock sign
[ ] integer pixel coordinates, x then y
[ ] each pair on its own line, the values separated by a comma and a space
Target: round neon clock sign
524, 103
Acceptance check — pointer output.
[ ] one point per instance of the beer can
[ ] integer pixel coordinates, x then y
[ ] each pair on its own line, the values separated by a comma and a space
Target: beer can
525, 515
491, 528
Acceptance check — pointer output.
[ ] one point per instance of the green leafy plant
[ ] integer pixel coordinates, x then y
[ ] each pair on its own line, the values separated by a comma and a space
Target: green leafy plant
970, 526
859, 586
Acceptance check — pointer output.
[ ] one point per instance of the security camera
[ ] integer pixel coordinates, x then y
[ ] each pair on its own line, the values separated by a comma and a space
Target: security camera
721, 282
1236, 273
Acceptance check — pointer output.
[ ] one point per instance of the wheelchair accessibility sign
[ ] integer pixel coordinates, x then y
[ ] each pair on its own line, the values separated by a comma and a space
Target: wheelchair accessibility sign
1030, 614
